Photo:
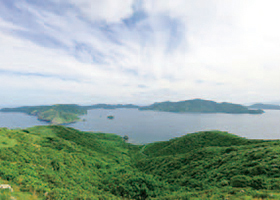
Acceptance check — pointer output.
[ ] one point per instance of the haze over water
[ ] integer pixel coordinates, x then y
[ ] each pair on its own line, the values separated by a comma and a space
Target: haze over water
150, 126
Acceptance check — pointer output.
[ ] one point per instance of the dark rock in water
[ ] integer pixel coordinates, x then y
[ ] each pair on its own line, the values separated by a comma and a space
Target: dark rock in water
110, 117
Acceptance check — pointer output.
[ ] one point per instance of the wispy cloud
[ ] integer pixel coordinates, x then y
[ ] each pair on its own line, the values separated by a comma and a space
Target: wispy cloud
135, 51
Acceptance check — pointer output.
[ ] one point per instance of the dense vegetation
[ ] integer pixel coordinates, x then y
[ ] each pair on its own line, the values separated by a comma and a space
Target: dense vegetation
200, 106
265, 106
56, 162
55, 114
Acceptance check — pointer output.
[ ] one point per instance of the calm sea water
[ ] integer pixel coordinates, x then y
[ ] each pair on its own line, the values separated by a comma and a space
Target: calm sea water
150, 126
18, 120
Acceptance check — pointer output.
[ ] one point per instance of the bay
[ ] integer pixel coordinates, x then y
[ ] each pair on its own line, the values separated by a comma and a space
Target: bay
151, 126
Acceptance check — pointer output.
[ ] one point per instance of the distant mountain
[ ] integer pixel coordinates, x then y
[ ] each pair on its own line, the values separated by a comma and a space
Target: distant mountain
110, 106
264, 106
273, 102
200, 106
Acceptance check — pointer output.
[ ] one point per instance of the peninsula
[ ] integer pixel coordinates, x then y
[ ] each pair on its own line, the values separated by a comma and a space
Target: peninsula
54, 114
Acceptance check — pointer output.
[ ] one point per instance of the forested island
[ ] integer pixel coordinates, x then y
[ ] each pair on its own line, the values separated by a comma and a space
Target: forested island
264, 106
201, 106
57, 162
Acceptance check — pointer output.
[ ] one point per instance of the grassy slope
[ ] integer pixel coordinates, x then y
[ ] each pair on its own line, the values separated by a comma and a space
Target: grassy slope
70, 164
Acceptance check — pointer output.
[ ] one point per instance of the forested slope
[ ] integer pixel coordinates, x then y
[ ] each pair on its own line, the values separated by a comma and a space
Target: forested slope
56, 162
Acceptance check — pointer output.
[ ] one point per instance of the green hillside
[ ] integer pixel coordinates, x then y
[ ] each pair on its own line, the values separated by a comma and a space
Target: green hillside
200, 106
190, 142
56, 162
55, 114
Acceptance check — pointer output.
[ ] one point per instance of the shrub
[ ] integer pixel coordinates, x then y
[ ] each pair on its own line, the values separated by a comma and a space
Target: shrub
240, 181
258, 183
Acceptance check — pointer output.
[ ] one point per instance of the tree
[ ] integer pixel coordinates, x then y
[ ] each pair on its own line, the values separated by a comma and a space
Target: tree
125, 138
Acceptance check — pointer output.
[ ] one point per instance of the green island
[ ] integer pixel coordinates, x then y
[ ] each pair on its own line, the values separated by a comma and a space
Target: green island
54, 114
57, 162
264, 106
201, 106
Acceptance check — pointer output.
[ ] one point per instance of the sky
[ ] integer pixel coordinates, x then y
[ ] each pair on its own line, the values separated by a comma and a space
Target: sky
138, 51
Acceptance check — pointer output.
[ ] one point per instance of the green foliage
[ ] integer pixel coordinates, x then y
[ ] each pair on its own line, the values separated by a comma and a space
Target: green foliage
258, 182
125, 138
214, 160
68, 164
240, 181
6, 141
56, 162
198, 140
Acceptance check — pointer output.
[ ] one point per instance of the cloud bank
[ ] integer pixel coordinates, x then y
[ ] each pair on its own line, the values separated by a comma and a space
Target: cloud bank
134, 51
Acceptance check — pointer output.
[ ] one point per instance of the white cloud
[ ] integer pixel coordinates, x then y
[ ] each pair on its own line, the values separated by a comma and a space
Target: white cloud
111, 11
214, 49
228, 41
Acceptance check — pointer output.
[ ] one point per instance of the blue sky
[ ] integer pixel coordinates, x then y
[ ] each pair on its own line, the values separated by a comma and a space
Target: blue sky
136, 51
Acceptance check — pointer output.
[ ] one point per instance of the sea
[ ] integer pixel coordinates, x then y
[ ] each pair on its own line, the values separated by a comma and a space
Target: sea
150, 126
